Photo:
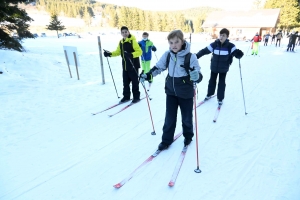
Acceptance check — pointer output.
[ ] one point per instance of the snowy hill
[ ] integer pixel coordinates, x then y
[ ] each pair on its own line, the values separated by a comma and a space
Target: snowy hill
52, 147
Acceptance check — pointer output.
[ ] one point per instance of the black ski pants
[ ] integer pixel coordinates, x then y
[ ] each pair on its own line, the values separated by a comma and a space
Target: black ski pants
266, 42
131, 76
221, 85
278, 40
291, 47
186, 108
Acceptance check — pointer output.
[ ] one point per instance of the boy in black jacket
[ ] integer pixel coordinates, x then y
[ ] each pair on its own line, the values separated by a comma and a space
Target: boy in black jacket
222, 51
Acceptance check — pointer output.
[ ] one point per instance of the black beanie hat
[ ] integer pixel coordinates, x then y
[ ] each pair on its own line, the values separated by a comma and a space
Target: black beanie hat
124, 28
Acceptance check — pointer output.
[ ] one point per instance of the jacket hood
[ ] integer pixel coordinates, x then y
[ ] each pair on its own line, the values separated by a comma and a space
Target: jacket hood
129, 38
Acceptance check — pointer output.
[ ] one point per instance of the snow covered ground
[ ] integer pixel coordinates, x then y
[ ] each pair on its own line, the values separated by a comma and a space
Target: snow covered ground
51, 147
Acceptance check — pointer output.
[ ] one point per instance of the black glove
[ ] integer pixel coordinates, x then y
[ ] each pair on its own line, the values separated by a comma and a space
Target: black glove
238, 54
128, 55
153, 48
200, 77
107, 54
197, 56
145, 77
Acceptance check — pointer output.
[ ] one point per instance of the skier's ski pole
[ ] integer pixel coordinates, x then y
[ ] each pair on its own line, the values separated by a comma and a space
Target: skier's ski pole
242, 86
152, 133
112, 76
196, 126
155, 56
248, 49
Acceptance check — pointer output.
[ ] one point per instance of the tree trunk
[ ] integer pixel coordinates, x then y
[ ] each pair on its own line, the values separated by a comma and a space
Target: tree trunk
57, 33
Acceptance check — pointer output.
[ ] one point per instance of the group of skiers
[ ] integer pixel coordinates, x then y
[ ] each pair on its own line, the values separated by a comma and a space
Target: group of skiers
278, 36
183, 73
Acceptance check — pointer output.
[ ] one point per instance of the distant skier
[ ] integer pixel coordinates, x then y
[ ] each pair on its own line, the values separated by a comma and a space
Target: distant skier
147, 47
292, 41
178, 86
266, 39
222, 53
278, 38
256, 39
273, 38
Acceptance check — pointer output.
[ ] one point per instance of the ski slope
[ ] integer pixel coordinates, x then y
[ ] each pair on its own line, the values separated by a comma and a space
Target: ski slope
52, 147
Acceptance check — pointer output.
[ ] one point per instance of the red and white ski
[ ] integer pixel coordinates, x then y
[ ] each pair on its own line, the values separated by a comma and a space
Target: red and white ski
217, 113
110, 107
202, 102
178, 166
148, 160
124, 108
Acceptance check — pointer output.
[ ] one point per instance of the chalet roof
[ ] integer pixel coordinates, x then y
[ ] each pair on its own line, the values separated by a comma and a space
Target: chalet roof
239, 19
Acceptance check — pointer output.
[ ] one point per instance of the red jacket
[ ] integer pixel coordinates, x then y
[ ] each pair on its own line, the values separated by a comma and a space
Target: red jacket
256, 38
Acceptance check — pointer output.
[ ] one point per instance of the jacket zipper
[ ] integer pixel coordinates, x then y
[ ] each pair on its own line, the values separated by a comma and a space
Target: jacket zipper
219, 58
174, 74
125, 68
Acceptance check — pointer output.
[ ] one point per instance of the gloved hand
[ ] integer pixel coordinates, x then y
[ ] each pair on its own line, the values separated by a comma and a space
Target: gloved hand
238, 54
194, 75
197, 56
128, 55
145, 77
107, 54
154, 48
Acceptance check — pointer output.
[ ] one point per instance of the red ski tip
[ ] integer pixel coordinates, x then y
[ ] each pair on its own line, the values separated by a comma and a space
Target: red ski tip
171, 183
118, 185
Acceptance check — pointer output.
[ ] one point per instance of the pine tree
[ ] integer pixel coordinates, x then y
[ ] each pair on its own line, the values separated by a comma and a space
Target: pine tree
13, 19
148, 21
122, 17
170, 23
55, 24
180, 22
142, 25
87, 16
164, 23
289, 12
198, 25
112, 21
135, 19
157, 22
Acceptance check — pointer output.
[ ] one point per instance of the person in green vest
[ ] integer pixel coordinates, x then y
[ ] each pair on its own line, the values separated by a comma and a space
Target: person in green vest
147, 47
256, 39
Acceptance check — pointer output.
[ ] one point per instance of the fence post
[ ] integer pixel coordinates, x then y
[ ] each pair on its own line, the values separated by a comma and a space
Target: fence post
68, 62
76, 64
101, 60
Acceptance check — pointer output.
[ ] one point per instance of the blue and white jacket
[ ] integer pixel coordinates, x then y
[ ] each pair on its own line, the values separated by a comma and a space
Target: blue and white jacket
221, 55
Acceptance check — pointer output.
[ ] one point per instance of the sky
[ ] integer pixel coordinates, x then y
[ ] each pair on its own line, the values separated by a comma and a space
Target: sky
178, 4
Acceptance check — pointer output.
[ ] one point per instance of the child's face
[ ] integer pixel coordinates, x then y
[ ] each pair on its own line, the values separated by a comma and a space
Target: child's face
223, 37
175, 44
145, 37
125, 33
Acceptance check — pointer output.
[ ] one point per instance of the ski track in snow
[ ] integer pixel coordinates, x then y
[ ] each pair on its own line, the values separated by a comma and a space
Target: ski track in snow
53, 148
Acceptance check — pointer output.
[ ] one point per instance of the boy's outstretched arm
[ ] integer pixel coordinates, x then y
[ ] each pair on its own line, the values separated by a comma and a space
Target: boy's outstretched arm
206, 50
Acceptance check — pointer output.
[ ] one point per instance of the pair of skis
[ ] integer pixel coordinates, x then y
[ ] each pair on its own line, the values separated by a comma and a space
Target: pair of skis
217, 111
154, 155
110, 107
